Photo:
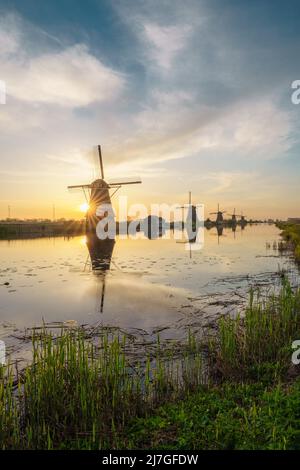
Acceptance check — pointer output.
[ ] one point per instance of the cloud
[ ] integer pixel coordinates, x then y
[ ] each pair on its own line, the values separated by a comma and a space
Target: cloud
10, 35
68, 77
176, 127
165, 42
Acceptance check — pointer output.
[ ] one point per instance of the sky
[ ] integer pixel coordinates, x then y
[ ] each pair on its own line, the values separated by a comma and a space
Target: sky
190, 95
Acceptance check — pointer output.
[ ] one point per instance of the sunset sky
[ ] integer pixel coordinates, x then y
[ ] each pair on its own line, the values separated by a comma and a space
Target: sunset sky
189, 95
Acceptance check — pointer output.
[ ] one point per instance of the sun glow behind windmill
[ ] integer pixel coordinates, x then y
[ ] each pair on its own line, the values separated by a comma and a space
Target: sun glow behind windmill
98, 193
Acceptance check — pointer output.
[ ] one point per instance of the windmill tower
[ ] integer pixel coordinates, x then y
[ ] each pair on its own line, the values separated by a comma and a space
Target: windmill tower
191, 219
219, 214
97, 194
233, 217
243, 220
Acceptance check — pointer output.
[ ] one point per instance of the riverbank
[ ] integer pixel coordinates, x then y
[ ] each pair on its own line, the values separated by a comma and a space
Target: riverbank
291, 236
23, 229
239, 389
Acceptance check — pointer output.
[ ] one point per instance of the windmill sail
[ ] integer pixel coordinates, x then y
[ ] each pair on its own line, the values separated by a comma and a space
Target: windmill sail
99, 194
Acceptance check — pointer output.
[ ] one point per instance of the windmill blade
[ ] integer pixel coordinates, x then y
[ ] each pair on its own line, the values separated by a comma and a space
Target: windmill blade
80, 186
121, 182
101, 161
101, 185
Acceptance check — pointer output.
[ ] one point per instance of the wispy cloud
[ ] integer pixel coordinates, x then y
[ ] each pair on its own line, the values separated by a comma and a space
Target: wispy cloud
164, 43
67, 77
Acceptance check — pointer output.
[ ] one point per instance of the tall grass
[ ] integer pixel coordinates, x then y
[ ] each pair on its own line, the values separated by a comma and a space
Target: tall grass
81, 396
257, 345
291, 235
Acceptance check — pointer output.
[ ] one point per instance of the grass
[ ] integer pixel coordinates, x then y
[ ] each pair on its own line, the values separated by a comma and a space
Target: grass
257, 346
291, 236
15, 230
231, 416
81, 396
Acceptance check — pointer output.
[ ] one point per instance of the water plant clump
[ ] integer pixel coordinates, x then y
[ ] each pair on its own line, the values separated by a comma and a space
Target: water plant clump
258, 345
291, 236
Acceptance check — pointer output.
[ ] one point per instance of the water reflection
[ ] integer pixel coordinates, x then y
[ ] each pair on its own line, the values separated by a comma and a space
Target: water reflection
220, 228
145, 283
100, 252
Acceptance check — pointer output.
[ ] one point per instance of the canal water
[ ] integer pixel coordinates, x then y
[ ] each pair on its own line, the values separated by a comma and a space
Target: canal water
142, 285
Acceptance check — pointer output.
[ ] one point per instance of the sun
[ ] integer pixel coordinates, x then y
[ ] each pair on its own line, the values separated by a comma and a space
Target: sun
84, 207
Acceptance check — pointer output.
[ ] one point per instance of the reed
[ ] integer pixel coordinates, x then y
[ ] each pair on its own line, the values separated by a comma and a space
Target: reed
79, 395
291, 236
257, 345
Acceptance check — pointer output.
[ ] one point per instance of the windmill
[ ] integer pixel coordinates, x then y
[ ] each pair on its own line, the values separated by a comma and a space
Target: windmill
97, 193
191, 219
233, 217
219, 214
190, 223
233, 221
243, 220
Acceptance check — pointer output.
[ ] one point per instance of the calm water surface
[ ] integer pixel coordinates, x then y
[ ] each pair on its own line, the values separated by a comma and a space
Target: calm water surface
150, 286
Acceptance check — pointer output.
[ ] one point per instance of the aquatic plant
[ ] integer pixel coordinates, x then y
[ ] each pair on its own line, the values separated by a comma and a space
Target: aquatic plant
291, 236
79, 395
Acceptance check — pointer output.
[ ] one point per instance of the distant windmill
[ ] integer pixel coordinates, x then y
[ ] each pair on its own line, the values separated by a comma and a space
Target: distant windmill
192, 213
233, 218
219, 214
190, 223
98, 194
243, 218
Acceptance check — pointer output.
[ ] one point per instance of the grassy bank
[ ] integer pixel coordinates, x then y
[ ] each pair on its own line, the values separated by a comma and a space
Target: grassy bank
291, 236
83, 396
230, 416
23, 229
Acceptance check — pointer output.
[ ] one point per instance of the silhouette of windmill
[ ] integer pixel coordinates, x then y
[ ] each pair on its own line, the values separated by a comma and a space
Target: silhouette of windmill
190, 223
219, 214
243, 220
99, 194
191, 219
243, 217
233, 217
